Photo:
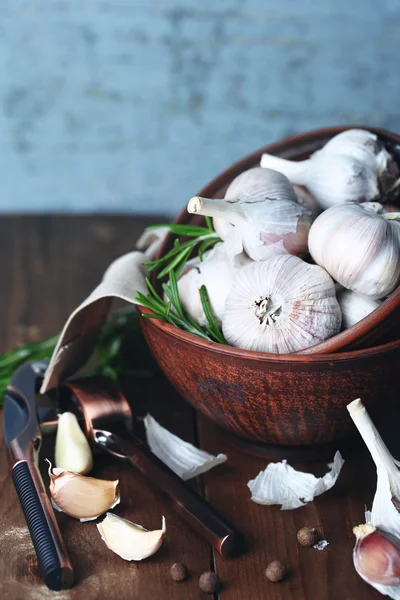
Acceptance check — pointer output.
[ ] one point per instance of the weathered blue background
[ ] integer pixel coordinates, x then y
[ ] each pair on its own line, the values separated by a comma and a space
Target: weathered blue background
132, 105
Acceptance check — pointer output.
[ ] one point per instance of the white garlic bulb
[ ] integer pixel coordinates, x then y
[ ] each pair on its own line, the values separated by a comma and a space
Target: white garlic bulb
281, 305
263, 208
359, 247
353, 166
216, 272
354, 307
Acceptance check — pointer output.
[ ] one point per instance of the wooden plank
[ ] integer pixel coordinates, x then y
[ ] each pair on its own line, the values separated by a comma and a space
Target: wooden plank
271, 533
48, 266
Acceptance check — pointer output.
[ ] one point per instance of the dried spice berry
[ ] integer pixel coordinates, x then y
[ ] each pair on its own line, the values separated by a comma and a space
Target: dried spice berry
276, 571
179, 572
307, 536
209, 582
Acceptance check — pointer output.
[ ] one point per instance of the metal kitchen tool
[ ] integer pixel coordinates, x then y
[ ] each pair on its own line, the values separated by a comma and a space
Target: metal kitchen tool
107, 420
23, 438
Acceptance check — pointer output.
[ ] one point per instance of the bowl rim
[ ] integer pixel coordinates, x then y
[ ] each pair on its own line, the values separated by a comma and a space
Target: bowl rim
353, 333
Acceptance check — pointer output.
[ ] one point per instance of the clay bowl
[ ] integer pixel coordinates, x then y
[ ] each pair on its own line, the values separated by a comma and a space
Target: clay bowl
293, 400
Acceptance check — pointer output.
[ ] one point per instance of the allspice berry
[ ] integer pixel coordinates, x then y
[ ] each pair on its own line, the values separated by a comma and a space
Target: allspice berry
179, 572
307, 536
276, 571
209, 582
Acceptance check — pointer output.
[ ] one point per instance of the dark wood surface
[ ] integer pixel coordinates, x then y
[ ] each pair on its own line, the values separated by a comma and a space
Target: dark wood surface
47, 266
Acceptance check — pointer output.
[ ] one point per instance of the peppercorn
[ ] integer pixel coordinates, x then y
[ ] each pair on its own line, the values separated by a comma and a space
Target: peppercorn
179, 572
276, 571
307, 536
209, 582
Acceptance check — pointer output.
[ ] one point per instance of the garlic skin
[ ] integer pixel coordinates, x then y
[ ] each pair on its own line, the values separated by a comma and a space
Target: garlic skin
279, 483
376, 555
281, 305
181, 457
353, 166
216, 272
129, 540
72, 451
261, 210
359, 247
355, 307
82, 497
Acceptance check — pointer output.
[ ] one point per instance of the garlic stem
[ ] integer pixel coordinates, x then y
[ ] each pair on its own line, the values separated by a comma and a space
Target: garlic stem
371, 437
216, 208
295, 171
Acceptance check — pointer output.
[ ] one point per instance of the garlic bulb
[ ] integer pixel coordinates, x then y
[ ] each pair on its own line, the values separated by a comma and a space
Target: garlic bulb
359, 247
353, 166
82, 497
354, 307
280, 305
216, 272
72, 451
311, 207
129, 540
262, 208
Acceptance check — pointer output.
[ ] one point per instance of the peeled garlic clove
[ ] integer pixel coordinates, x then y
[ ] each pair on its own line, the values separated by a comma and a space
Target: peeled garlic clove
279, 483
182, 458
376, 558
354, 307
359, 247
82, 497
353, 166
280, 305
261, 209
128, 540
72, 451
216, 272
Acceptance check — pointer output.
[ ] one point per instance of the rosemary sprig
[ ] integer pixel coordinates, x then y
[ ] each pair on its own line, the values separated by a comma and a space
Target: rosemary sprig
177, 257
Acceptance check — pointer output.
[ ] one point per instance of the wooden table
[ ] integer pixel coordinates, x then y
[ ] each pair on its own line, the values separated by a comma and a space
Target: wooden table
47, 266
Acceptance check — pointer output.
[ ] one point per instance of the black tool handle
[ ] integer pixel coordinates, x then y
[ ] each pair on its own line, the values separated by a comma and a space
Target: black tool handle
53, 560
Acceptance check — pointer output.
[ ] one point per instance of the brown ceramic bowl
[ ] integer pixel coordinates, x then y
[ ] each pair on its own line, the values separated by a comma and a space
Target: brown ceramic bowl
287, 399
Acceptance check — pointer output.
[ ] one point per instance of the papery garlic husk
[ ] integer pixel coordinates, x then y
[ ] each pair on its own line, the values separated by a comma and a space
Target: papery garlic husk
353, 166
384, 513
72, 450
280, 305
182, 458
216, 272
82, 497
311, 207
359, 247
279, 483
355, 307
262, 211
129, 540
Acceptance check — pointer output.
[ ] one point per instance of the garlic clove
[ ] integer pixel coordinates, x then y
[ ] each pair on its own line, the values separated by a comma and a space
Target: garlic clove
72, 450
279, 483
182, 458
376, 555
280, 305
82, 497
129, 540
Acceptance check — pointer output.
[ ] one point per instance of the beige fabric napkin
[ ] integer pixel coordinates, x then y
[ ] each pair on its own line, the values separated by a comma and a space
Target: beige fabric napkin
123, 278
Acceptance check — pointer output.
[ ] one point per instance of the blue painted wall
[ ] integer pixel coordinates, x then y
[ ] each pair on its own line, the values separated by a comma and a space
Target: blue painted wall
132, 105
